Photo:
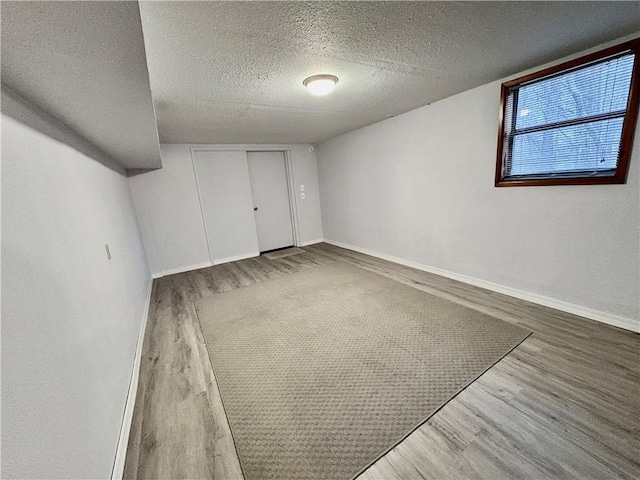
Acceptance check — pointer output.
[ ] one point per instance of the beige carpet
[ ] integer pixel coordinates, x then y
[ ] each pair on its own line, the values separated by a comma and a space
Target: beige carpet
323, 371
287, 252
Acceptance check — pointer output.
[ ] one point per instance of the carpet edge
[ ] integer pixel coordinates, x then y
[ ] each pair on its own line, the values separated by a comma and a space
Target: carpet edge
416, 427
526, 334
224, 408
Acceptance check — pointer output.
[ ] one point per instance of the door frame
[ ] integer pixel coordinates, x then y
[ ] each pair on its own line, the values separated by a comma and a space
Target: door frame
289, 167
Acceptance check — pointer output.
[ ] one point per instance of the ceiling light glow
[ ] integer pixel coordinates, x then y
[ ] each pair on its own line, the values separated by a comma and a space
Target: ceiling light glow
320, 84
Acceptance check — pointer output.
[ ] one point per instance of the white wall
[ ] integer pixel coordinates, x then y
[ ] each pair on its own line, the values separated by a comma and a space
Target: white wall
70, 318
168, 211
168, 207
420, 187
305, 171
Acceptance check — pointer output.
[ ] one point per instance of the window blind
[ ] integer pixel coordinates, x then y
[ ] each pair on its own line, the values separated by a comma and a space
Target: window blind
569, 123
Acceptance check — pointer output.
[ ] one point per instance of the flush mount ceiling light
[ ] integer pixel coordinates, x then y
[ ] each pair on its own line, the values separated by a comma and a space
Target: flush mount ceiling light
320, 84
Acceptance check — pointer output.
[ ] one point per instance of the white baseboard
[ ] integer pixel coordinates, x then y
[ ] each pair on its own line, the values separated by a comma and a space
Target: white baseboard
311, 242
604, 317
236, 258
188, 268
125, 429
198, 266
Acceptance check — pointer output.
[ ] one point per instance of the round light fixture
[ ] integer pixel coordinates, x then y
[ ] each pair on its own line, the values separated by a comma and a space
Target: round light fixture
320, 84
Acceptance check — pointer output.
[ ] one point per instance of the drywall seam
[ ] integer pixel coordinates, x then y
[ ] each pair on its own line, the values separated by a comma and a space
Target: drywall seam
204, 223
598, 316
292, 181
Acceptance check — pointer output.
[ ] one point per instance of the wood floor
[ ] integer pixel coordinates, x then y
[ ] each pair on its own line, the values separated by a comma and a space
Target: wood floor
563, 404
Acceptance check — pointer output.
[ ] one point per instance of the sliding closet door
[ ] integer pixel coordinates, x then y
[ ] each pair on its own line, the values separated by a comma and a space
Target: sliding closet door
227, 208
270, 190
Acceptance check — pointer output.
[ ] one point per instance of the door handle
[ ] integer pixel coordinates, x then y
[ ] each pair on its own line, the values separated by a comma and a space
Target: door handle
255, 209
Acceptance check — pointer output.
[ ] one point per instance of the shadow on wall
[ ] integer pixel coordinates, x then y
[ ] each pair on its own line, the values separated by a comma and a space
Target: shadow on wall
17, 107
132, 172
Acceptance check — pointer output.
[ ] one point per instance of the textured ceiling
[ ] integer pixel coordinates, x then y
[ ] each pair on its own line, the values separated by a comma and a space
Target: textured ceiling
231, 72
84, 64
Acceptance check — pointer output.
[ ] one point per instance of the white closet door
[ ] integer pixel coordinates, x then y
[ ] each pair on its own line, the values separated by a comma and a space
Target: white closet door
227, 208
270, 190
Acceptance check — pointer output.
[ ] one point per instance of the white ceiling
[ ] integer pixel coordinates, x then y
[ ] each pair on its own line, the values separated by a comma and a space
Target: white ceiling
231, 72
84, 64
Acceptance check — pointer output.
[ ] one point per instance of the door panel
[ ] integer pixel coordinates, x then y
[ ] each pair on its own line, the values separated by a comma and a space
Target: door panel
270, 191
227, 209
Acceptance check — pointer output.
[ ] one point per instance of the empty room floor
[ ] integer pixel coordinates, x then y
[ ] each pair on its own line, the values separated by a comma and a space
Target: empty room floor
563, 404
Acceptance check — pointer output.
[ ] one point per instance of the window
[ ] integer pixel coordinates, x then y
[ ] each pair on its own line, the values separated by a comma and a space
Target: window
572, 123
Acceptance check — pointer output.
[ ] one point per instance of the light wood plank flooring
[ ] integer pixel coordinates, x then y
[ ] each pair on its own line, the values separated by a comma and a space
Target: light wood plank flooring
564, 404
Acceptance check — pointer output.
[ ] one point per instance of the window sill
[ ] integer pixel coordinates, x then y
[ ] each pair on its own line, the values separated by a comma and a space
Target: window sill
540, 182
